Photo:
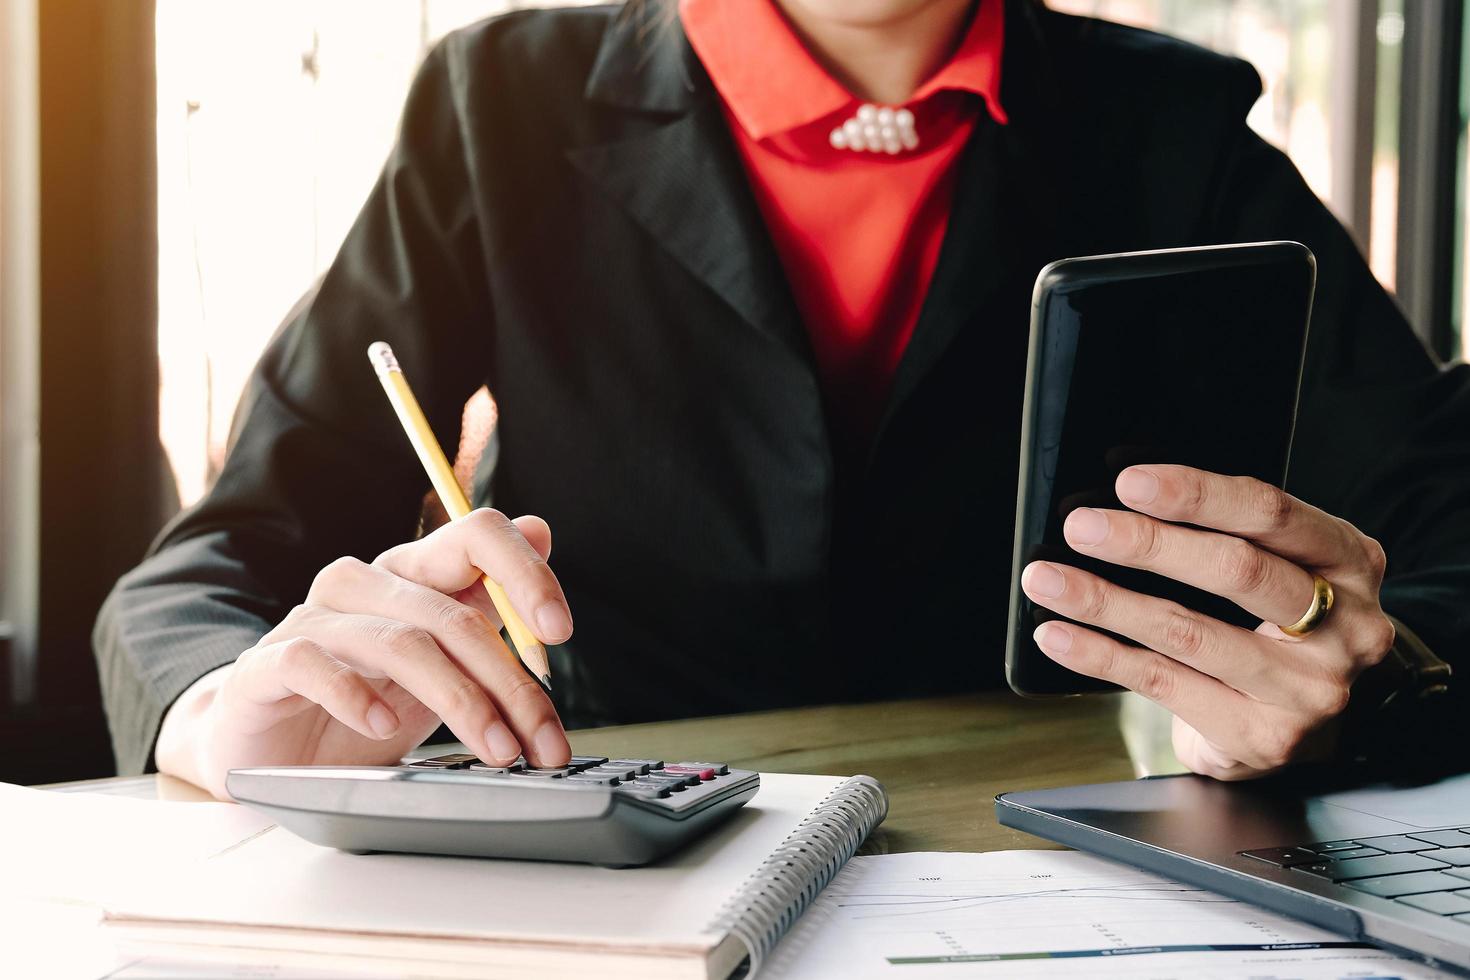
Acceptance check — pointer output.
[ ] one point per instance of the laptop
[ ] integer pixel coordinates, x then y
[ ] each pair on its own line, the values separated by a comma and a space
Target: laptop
1387, 863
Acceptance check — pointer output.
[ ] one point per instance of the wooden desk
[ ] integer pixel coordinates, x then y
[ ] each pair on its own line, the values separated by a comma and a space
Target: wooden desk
943, 760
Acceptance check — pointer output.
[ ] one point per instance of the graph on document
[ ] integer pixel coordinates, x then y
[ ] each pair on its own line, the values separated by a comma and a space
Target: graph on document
1041, 913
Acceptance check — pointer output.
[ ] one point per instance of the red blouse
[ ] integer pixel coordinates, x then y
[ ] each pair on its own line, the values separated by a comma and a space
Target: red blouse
857, 230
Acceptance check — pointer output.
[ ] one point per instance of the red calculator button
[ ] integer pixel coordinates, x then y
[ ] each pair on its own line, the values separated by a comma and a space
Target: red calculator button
703, 772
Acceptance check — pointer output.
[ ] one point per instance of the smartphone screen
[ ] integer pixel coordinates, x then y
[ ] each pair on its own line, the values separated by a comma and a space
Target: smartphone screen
1190, 356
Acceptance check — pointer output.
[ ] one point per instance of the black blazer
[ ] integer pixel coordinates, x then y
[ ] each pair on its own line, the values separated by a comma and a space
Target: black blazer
565, 219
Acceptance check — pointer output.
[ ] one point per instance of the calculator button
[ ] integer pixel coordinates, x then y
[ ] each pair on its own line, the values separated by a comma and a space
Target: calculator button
1440, 903
644, 790
542, 773
642, 765
1397, 844
1392, 886
1444, 838
1284, 857
1372, 867
1336, 845
587, 761
1458, 872
611, 779
626, 772
457, 761
719, 767
704, 773
673, 785
494, 770
673, 778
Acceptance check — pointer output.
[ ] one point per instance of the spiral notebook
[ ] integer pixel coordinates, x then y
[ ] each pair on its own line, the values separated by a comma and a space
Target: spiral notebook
280, 902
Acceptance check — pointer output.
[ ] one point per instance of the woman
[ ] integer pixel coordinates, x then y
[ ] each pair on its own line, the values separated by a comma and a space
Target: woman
750, 287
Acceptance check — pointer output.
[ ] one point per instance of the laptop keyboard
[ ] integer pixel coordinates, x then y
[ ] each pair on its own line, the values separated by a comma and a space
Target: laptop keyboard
1429, 871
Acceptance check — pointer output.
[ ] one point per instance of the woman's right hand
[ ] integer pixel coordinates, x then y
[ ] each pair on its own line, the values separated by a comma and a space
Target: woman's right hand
378, 655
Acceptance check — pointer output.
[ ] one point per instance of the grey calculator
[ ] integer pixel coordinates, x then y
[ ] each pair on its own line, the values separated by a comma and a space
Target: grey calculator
612, 812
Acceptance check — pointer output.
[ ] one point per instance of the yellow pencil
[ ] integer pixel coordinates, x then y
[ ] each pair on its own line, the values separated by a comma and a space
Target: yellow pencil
441, 474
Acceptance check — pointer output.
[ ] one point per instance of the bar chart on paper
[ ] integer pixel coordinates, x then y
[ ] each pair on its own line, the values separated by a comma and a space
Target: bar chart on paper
1046, 913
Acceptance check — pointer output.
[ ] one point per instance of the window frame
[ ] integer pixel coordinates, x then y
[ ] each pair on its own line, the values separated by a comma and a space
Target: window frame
93, 489
19, 336
1429, 148
1353, 108
1460, 302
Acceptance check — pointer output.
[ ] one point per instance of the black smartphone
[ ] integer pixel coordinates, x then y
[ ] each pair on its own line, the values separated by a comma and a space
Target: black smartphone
1189, 356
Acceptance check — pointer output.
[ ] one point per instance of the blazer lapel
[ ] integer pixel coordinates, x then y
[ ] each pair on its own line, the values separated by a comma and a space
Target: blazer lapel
671, 163
1003, 221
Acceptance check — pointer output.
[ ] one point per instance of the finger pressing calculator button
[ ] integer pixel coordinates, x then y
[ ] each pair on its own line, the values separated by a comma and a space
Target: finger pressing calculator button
495, 770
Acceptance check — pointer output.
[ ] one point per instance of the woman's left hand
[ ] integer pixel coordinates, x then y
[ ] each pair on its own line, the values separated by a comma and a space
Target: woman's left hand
1244, 703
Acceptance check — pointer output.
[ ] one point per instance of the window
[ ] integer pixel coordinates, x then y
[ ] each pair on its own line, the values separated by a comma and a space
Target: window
1321, 67
274, 119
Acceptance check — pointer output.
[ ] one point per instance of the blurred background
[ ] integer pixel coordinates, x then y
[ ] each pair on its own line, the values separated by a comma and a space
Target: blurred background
241, 138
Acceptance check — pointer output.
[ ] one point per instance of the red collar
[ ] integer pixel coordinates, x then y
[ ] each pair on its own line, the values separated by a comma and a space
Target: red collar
773, 85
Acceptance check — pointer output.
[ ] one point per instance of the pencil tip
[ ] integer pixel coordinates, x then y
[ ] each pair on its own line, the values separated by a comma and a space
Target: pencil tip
546, 681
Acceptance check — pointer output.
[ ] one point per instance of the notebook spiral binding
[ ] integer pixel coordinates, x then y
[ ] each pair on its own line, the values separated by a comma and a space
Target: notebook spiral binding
774, 897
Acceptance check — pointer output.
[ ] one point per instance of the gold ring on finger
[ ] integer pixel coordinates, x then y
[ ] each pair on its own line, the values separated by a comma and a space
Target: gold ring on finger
1316, 613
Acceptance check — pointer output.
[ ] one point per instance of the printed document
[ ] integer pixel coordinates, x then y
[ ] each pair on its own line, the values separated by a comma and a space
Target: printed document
1032, 914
